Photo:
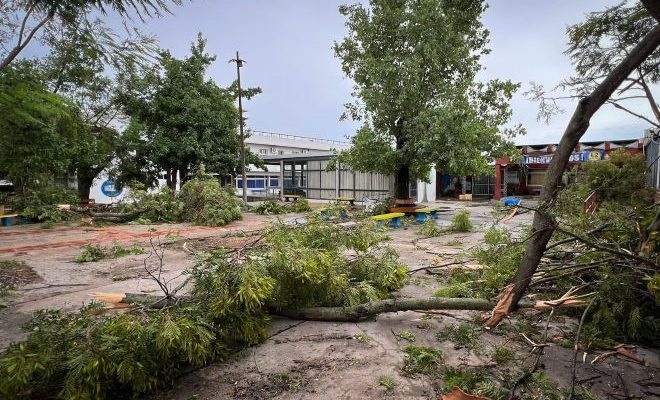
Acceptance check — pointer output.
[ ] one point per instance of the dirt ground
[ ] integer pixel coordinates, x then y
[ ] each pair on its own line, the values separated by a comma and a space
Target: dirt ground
311, 360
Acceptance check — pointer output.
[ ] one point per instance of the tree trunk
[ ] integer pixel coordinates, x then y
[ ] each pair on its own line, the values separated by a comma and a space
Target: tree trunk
543, 226
402, 182
402, 174
84, 186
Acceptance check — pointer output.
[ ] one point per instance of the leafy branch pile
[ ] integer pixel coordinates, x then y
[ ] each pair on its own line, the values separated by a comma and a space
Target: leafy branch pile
201, 201
613, 252
93, 355
274, 207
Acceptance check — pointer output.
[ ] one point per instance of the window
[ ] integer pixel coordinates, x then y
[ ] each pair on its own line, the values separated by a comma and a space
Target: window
273, 182
535, 177
239, 183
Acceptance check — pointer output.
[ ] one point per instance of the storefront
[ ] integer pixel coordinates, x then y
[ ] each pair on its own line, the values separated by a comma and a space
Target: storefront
526, 177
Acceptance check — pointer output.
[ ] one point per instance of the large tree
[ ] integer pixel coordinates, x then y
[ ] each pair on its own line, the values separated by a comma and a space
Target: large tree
185, 119
37, 128
414, 64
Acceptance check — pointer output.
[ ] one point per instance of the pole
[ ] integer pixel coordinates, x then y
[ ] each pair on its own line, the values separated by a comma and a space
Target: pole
239, 64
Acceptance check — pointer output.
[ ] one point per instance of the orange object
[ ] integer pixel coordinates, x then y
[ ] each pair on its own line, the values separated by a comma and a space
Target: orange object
458, 394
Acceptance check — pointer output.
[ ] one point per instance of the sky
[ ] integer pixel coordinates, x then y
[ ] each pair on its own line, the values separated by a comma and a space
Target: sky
288, 48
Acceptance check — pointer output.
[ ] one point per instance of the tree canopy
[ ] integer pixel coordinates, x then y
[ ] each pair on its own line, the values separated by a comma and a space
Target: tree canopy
414, 64
185, 120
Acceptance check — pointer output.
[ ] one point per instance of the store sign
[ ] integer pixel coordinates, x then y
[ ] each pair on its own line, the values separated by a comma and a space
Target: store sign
110, 189
581, 156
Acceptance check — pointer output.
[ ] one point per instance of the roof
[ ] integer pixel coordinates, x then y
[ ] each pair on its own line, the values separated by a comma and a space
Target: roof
309, 156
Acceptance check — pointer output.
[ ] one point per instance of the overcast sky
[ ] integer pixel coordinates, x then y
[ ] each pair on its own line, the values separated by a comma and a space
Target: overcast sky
288, 48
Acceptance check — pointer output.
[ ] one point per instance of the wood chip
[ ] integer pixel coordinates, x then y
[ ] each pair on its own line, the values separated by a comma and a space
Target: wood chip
458, 394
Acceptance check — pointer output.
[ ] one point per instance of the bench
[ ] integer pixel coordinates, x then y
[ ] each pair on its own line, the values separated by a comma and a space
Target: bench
349, 200
7, 219
431, 211
292, 196
394, 218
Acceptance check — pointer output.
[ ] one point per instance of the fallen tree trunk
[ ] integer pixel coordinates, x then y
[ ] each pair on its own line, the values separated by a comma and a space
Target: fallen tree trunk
544, 225
346, 314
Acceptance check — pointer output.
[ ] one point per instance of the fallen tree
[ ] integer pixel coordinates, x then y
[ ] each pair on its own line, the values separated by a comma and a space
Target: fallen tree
544, 224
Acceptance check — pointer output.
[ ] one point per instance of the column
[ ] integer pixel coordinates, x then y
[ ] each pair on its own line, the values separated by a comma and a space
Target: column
281, 180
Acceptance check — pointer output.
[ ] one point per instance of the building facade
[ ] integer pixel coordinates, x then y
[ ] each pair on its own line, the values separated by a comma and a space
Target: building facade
526, 177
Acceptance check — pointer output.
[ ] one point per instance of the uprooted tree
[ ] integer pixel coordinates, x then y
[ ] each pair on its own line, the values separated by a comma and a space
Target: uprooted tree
414, 65
545, 225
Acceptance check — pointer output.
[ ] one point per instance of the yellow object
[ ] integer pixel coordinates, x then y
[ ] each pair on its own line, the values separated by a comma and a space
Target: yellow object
423, 210
344, 199
382, 217
9, 216
466, 197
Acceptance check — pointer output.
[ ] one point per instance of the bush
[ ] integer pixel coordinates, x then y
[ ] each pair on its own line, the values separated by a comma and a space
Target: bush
461, 222
41, 203
92, 252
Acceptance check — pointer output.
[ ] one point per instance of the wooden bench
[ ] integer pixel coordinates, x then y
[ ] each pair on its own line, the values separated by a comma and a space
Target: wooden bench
7, 219
292, 196
349, 200
393, 218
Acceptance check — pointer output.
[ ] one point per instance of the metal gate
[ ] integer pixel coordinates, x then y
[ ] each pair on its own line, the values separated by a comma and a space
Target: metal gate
483, 186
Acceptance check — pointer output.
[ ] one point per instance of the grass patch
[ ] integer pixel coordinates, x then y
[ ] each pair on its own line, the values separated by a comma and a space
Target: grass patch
94, 252
502, 354
285, 381
474, 381
406, 335
430, 229
460, 222
422, 360
387, 382
464, 335
363, 338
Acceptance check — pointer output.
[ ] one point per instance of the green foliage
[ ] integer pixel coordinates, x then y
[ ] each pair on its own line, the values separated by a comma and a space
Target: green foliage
460, 222
311, 267
463, 335
94, 252
186, 121
160, 206
363, 338
502, 354
422, 360
300, 206
500, 255
114, 356
270, 207
406, 335
87, 355
205, 202
430, 229
415, 63
387, 382
625, 309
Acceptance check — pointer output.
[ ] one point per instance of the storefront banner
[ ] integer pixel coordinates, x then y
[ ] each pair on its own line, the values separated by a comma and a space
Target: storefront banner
581, 156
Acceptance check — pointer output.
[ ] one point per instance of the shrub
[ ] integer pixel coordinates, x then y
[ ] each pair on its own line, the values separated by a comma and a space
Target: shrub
387, 382
94, 252
462, 335
460, 222
430, 229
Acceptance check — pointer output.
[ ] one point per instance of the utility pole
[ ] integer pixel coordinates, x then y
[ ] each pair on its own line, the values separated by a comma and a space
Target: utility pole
239, 64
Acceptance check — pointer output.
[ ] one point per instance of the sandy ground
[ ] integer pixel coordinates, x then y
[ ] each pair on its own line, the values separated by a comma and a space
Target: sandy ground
310, 360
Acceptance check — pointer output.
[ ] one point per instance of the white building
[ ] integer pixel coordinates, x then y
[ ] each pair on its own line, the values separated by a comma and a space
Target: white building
267, 144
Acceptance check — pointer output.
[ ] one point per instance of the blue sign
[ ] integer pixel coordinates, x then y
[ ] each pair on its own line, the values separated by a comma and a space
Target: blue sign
109, 188
582, 156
